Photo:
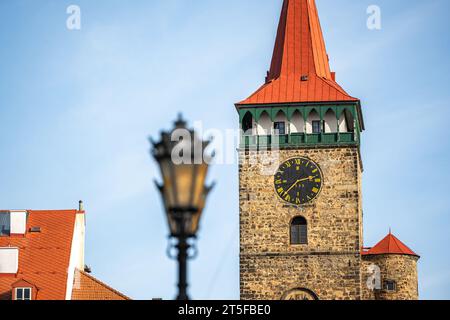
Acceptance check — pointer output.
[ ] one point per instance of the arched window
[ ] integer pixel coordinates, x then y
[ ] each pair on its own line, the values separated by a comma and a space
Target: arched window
299, 231
247, 124
346, 122
297, 123
330, 122
279, 126
300, 294
264, 125
314, 125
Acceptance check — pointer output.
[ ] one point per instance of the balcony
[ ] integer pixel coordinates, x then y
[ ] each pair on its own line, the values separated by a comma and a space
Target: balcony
298, 140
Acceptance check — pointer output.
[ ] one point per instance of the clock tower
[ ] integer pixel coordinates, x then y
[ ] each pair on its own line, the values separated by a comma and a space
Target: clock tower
300, 173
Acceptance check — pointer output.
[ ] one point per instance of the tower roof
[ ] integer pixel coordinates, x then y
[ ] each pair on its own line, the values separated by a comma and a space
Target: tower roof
390, 245
299, 71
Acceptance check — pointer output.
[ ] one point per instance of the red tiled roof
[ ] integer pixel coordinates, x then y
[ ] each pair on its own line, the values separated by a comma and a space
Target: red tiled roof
389, 245
299, 51
44, 256
86, 287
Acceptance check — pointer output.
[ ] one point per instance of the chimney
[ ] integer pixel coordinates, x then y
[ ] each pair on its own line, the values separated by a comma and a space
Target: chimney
80, 206
333, 76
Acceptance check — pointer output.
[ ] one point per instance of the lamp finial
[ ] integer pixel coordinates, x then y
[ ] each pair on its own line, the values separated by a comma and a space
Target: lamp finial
180, 122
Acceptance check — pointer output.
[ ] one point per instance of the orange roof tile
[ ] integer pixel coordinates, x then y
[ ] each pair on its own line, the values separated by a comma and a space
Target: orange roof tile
299, 51
86, 287
389, 245
43, 257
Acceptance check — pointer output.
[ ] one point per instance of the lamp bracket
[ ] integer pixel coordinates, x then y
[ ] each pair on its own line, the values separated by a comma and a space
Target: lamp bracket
193, 250
172, 249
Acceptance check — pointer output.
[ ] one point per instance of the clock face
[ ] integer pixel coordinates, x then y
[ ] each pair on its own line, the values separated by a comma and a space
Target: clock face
298, 181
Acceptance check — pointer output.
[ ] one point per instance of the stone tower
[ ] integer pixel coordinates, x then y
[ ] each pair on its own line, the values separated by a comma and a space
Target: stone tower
300, 173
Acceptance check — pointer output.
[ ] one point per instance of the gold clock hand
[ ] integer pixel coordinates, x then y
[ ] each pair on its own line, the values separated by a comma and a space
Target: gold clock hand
297, 182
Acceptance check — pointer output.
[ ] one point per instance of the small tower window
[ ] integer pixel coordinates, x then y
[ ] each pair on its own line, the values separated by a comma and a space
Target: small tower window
390, 286
5, 223
299, 231
280, 128
23, 293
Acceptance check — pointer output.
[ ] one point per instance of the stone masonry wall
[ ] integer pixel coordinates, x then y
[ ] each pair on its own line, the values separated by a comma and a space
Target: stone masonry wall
330, 263
330, 277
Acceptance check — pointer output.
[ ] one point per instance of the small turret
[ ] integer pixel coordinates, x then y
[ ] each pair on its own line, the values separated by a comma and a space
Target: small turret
393, 268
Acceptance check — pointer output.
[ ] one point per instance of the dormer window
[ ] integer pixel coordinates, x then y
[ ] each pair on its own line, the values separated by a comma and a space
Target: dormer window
9, 260
5, 224
23, 293
13, 223
24, 290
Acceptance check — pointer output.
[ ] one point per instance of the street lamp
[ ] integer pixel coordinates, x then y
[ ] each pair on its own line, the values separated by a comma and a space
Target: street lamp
184, 166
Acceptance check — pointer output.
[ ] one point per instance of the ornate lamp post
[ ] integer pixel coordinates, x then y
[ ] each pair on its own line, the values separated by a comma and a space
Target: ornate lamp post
184, 167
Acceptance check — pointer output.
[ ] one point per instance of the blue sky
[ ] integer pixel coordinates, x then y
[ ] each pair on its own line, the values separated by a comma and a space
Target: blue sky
77, 107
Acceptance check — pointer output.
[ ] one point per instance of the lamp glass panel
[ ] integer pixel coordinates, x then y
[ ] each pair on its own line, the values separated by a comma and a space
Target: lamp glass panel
184, 175
199, 186
195, 222
168, 176
196, 217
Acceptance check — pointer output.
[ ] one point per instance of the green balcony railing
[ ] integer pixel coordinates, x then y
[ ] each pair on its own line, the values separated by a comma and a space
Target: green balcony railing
348, 137
329, 138
297, 140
